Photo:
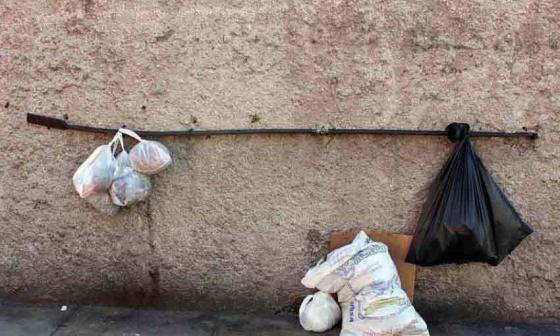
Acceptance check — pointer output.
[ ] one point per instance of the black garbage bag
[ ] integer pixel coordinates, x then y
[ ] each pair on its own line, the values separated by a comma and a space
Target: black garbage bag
467, 217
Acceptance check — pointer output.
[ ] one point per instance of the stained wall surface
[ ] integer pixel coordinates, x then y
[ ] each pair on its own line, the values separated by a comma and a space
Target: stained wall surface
236, 221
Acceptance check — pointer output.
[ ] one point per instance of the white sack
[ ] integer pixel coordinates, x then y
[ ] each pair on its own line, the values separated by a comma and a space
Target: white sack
323, 276
369, 313
319, 312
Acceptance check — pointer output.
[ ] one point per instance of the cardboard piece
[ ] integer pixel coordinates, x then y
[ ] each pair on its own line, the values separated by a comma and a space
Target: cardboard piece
398, 248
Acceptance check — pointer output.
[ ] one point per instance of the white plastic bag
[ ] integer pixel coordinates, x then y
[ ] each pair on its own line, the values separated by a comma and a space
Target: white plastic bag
369, 290
148, 157
319, 312
102, 203
128, 187
123, 165
96, 173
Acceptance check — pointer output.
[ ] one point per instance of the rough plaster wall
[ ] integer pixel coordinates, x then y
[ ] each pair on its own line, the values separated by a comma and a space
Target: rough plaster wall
236, 221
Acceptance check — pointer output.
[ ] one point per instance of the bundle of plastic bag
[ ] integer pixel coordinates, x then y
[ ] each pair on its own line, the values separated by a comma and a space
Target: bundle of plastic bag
147, 156
369, 290
108, 183
128, 187
95, 175
319, 312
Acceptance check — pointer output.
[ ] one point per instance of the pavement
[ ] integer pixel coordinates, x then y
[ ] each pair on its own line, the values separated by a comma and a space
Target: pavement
22, 319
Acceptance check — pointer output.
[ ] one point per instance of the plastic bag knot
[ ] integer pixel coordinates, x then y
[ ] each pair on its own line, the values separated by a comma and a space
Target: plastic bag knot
457, 131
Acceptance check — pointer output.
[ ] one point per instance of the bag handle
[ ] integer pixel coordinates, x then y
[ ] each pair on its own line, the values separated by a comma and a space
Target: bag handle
118, 138
130, 133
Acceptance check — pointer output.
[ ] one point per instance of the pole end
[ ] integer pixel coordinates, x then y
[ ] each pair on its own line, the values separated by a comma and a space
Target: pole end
46, 121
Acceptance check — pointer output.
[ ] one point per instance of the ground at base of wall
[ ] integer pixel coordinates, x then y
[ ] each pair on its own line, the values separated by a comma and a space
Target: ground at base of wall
20, 319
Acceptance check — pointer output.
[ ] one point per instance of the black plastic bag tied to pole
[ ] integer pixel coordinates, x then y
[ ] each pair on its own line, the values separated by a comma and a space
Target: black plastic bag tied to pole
466, 217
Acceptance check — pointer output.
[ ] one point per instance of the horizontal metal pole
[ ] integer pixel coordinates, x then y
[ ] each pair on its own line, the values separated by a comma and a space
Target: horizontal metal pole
63, 124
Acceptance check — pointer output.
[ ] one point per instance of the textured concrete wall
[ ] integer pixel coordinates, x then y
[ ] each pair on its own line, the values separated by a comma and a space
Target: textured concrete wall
236, 221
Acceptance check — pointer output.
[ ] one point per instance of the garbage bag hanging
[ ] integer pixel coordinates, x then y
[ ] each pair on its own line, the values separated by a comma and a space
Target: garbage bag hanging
467, 217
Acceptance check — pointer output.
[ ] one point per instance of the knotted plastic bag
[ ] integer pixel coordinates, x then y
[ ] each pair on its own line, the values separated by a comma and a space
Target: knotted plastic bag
147, 156
467, 217
129, 186
319, 312
96, 173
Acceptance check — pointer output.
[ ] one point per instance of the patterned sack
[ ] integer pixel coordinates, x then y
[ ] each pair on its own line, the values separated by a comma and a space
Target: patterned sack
381, 308
323, 275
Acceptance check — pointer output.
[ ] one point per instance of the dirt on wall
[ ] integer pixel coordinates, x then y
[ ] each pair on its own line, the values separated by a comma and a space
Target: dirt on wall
236, 221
